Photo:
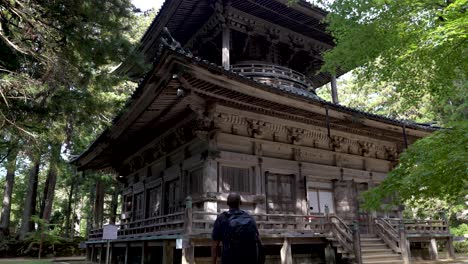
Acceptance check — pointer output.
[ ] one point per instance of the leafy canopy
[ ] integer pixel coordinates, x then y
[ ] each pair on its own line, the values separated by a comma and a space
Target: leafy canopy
412, 58
420, 46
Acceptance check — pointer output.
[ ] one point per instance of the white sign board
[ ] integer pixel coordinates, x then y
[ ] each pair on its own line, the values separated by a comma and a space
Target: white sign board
178, 243
182, 243
109, 232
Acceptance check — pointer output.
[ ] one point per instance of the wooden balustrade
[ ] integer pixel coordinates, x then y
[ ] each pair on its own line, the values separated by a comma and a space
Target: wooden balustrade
420, 227
201, 222
159, 225
273, 74
268, 223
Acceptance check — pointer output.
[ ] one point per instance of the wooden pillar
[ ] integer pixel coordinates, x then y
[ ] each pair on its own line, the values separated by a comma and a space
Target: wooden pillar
92, 253
188, 215
127, 248
301, 189
449, 242
108, 247
99, 205
450, 248
111, 252
188, 254
226, 47
286, 254
433, 249
168, 252
334, 90
404, 244
330, 257
357, 242
143, 252
101, 252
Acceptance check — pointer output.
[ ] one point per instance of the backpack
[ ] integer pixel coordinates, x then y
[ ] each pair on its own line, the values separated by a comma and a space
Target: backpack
242, 234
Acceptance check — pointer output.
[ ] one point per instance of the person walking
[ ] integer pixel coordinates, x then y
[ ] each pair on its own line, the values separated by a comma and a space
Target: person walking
238, 233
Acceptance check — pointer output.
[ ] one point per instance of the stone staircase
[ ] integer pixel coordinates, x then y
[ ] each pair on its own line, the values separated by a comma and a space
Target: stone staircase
375, 251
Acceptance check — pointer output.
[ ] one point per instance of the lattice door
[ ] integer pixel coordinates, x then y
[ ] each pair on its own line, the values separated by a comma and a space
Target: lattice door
280, 193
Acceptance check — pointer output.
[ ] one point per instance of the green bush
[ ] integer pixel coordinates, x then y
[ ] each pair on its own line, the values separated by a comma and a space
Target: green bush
461, 247
460, 230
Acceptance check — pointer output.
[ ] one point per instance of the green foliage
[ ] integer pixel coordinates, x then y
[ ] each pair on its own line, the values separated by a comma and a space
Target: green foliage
57, 89
435, 166
56, 52
381, 99
411, 59
461, 247
28, 261
460, 230
419, 46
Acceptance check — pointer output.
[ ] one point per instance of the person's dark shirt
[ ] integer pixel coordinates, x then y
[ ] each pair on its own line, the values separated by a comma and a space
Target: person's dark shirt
248, 253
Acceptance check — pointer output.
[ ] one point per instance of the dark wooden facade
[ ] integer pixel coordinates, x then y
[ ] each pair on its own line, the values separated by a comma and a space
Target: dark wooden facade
248, 121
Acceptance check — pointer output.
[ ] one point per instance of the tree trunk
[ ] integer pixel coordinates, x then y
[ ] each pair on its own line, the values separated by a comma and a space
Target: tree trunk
29, 209
49, 188
114, 204
68, 211
76, 217
8, 193
99, 205
89, 215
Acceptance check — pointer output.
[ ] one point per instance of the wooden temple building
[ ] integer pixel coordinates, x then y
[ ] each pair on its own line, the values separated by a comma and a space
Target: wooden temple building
229, 105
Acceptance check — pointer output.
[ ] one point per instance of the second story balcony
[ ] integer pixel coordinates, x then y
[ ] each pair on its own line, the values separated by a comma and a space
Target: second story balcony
274, 75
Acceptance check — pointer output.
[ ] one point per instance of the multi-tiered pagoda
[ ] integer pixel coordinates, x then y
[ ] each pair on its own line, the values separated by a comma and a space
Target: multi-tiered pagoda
229, 105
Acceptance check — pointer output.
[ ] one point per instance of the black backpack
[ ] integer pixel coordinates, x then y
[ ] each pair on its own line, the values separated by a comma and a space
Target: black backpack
242, 234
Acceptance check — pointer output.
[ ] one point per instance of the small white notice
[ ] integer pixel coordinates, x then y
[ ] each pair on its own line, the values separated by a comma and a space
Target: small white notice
178, 243
109, 232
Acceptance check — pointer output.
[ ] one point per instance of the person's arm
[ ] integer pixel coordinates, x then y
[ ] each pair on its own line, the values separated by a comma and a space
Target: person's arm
214, 251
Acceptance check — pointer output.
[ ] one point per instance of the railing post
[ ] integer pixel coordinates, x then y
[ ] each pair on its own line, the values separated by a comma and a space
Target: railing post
188, 215
357, 242
188, 250
404, 245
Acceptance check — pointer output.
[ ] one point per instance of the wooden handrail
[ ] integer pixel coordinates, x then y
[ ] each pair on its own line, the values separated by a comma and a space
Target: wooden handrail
386, 224
343, 233
388, 233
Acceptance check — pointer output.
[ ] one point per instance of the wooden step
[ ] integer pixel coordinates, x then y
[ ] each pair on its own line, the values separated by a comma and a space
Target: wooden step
382, 257
376, 250
373, 239
367, 235
382, 262
376, 246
